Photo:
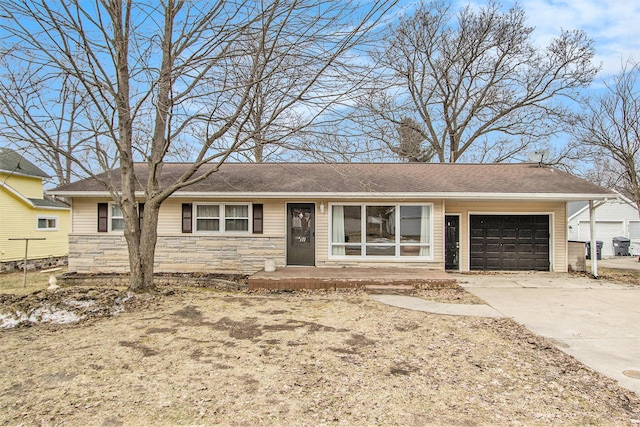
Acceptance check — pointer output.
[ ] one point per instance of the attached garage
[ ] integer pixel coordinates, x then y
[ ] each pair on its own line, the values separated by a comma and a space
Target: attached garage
509, 242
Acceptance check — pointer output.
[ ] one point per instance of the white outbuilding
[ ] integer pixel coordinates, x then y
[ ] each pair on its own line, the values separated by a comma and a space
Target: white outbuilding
614, 218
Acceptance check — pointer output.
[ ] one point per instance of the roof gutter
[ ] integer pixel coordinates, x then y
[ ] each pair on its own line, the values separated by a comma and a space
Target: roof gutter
26, 175
361, 195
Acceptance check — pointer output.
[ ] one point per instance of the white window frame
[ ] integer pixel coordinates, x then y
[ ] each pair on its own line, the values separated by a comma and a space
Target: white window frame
196, 218
112, 217
222, 218
47, 218
397, 244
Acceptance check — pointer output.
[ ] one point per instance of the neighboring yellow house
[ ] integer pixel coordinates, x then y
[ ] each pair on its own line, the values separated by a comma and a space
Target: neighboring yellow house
25, 213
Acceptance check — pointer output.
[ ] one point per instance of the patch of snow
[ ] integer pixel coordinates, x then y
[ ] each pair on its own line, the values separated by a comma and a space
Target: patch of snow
53, 315
11, 320
40, 315
80, 304
118, 306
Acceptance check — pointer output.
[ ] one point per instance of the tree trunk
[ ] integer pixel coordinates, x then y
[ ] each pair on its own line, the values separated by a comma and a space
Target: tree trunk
142, 249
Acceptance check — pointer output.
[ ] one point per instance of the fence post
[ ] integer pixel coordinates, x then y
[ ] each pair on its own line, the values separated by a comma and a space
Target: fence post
26, 253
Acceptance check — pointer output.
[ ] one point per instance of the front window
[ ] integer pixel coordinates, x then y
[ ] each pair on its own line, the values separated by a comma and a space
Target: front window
207, 218
117, 219
377, 231
236, 218
47, 223
221, 218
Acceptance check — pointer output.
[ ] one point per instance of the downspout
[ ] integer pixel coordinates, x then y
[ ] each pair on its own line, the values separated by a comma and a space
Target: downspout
592, 228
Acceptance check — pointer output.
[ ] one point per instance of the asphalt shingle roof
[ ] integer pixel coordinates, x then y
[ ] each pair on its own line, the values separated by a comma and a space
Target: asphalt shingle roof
319, 178
12, 162
45, 203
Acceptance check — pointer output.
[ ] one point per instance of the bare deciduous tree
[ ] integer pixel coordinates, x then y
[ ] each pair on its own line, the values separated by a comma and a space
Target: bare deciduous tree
411, 142
155, 74
475, 81
47, 125
609, 133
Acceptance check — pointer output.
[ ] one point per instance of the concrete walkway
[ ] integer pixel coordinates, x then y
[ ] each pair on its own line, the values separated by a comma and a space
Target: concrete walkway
419, 304
595, 321
621, 262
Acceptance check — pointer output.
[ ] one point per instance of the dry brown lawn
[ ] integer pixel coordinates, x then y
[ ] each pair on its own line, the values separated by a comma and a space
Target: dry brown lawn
203, 357
631, 277
13, 283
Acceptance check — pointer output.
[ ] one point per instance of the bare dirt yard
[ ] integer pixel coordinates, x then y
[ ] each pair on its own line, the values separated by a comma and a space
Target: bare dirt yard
97, 356
203, 357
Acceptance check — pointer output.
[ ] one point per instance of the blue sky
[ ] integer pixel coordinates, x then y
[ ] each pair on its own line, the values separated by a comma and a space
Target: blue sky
613, 24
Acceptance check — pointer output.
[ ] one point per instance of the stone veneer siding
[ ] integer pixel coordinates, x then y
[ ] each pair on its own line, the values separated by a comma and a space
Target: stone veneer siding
33, 264
178, 254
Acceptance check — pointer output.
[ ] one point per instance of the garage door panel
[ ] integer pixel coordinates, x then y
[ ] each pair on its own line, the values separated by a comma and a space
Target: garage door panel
493, 263
541, 265
508, 264
477, 233
493, 248
509, 242
511, 233
526, 233
478, 264
510, 247
541, 235
493, 233
477, 248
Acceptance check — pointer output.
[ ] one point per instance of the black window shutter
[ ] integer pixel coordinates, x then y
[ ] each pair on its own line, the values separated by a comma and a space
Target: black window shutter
103, 217
140, 213
258, 215
187, 216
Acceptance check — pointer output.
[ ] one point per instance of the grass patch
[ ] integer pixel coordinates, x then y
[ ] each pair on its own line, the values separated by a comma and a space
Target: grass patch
621, 275
13, 283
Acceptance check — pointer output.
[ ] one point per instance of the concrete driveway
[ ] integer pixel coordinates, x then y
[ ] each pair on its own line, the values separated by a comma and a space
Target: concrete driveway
595, 321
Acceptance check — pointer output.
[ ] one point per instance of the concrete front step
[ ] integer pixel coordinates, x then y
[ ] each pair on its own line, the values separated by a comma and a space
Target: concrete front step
390, 289
298, 278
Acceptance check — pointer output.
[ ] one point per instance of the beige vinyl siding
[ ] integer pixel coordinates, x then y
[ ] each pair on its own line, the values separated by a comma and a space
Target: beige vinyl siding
557, 221
85, 214
322, 233
275, 218
170, 219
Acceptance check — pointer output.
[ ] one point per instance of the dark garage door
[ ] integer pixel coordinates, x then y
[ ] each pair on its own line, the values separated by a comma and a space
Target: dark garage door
510, 242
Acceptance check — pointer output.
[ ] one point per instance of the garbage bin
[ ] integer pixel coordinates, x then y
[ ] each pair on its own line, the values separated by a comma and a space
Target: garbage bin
598, 249
621, 246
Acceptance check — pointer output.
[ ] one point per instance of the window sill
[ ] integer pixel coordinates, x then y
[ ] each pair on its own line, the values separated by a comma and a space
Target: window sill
381, 258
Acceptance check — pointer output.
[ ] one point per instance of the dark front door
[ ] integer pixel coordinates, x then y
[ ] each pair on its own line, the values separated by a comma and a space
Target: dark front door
452, 242
301, 234
509, 242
